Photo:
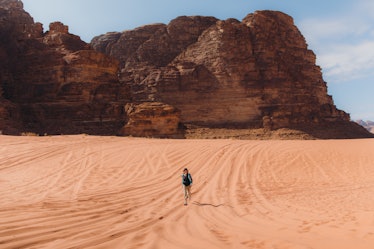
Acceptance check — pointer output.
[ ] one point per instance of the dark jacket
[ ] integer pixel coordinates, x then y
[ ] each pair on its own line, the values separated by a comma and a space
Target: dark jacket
189, 178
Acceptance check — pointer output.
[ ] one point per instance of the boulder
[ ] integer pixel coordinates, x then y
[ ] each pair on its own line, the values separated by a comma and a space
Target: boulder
152, 119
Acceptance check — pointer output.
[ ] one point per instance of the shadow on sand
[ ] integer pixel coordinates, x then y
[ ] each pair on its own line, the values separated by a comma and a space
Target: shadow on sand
206, 204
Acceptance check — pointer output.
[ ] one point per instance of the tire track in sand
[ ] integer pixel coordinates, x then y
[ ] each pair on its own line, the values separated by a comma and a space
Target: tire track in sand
106, 192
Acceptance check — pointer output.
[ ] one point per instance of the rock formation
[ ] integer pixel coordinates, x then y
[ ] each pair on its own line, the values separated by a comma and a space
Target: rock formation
368, 125
16, 26
56, 81
200, 71
152, 119
254, 73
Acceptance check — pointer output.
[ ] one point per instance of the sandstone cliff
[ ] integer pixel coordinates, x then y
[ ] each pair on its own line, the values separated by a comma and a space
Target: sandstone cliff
254, 73
152, 119
55, 81
15, 26
257, 73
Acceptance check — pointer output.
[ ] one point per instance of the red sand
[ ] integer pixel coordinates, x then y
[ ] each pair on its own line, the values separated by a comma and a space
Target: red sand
112, 192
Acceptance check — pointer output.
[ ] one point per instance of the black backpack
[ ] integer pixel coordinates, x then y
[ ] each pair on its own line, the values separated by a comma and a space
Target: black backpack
186, 180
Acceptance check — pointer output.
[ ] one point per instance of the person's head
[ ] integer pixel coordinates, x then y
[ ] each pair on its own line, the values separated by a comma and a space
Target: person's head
185, 171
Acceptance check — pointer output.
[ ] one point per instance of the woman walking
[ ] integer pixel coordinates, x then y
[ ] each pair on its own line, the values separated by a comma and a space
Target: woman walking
186, 182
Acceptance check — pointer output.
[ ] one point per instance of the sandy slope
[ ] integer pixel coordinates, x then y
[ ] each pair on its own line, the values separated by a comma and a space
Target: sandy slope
111, 192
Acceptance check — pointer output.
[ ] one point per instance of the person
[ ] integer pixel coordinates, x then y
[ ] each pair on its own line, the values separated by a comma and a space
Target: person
186, 183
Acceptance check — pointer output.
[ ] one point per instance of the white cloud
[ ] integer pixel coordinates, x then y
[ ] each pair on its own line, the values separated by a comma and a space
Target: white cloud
344, 42
366, 6
322, 29
343, 62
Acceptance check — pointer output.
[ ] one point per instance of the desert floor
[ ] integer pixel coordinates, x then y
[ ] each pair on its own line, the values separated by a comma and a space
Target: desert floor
111, 192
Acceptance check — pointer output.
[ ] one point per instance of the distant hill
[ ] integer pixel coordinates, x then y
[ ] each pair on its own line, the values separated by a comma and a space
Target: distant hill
369, 125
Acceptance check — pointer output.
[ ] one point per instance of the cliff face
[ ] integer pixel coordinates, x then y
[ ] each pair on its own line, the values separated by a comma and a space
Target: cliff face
55, 81
254, 73
15, 26
152, 119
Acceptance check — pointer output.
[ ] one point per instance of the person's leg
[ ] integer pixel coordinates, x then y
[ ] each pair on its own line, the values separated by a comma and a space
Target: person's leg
185, 189
189, 192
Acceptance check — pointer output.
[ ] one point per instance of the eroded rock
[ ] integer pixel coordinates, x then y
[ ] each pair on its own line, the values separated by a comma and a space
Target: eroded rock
152, 119
257, 73
254, 73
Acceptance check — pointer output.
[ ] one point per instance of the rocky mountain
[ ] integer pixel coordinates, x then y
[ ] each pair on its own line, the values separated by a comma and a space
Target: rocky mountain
159, 79
53, 81
369, 125
254, 73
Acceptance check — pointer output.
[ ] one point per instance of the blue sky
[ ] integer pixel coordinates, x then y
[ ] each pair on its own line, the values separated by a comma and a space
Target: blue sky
340, 32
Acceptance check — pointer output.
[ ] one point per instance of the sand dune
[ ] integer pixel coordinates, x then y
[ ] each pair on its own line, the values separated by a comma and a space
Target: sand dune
111, 192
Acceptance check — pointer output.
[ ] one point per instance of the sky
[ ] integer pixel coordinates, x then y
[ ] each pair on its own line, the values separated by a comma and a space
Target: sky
340, 32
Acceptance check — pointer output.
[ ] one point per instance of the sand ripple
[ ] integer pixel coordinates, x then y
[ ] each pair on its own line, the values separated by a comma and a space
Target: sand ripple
111, 192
